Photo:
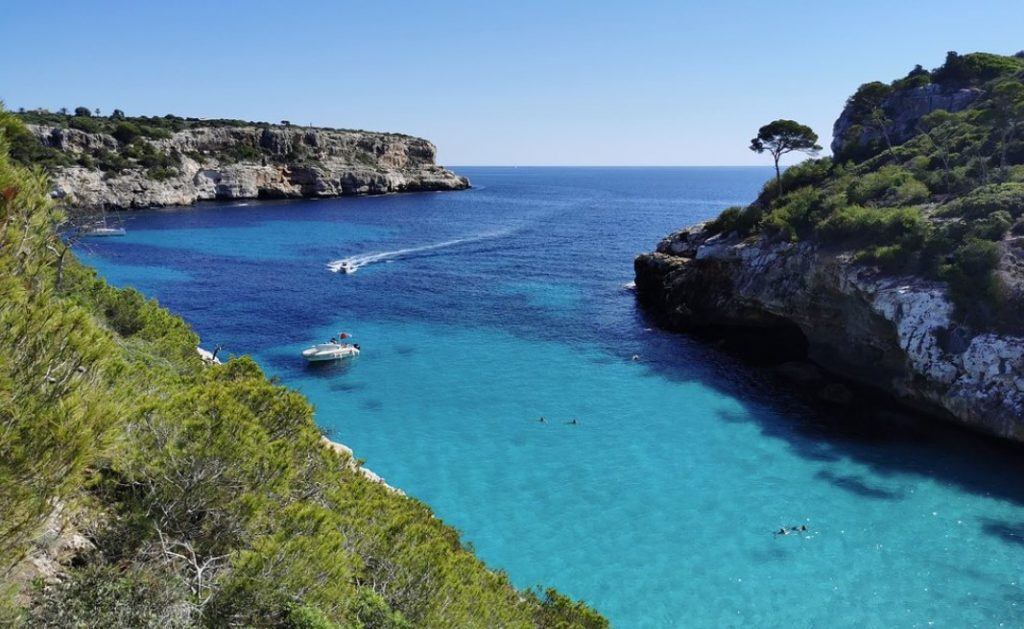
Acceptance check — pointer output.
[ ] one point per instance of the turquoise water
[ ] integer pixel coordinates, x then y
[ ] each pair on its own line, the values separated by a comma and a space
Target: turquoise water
657, 507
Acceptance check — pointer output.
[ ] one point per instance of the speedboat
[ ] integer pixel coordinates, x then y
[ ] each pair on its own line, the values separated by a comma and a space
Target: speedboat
346, 267
330, 351
103, 230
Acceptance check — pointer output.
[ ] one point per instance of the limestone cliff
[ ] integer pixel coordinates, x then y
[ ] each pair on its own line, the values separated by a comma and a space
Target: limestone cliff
238, 162
899, 264
895, 333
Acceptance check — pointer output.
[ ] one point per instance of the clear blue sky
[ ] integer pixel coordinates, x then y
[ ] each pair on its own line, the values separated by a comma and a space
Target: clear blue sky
523, 82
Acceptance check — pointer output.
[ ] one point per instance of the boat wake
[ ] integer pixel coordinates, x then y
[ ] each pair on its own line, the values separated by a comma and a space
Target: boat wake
352, 264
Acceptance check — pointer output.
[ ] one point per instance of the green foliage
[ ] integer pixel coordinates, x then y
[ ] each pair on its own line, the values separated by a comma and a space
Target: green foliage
984, 200
742, 220
891, 258
974, 68
809, 172
212, 499
934, 205
890, 185
107, 596
883, 225
795, 214
557, 610
85, 123
242, 153
973, 285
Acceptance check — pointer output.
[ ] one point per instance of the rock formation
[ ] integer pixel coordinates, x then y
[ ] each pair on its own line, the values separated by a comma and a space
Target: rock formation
878, 285
244, 162
892, 333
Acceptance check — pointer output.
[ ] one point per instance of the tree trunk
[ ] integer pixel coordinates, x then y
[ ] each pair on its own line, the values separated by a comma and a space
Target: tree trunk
778, 176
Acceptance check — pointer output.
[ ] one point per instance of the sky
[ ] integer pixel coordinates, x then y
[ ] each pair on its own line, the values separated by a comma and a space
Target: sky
513, 83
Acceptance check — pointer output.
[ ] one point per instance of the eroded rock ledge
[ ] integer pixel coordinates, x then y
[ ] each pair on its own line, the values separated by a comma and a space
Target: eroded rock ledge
895, 334
247, 163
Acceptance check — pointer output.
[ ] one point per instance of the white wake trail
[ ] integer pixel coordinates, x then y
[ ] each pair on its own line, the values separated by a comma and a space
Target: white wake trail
353, 263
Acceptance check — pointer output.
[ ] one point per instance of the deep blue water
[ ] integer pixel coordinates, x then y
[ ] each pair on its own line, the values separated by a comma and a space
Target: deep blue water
658, 507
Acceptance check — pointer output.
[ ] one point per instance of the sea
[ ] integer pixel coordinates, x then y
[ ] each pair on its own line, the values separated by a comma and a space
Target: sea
664, 466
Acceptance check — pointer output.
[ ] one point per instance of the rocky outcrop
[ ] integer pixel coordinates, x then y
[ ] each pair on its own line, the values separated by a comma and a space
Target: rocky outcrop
903, 109
896, 334
244, 162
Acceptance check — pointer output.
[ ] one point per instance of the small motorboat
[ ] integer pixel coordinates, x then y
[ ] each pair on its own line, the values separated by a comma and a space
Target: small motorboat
330, 351
347, 268
105, 231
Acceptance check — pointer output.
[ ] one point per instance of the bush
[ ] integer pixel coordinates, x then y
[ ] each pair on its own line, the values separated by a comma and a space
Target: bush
126, 132
83, 123
877, 226
984, 200
742, 220
795, 213
105, 596
994, 227
974, 68
890, 185
891, 258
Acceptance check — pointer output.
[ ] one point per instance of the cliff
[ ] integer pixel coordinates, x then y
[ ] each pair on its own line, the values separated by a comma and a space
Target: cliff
131, 164
900, 269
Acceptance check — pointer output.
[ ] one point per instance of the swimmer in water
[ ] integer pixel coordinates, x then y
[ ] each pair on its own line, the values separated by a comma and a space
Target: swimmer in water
542, 420
572, 422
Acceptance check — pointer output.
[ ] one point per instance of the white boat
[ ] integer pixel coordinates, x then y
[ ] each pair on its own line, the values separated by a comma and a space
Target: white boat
330, 351
105, 231
346, 267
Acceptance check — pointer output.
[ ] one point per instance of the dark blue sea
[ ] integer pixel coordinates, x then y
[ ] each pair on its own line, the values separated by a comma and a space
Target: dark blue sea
478, 312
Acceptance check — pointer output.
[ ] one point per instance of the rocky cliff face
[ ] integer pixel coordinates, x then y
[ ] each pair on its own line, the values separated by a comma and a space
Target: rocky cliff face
903, 109
244, 162
892, 333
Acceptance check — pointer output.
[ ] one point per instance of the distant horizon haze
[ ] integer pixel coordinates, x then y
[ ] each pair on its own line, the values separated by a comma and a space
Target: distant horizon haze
574, 83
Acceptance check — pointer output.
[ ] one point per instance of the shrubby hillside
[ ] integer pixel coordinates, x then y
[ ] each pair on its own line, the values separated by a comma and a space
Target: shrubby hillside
141, 487
927, 179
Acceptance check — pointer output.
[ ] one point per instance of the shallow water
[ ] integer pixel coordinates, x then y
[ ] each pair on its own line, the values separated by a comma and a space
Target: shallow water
658, 507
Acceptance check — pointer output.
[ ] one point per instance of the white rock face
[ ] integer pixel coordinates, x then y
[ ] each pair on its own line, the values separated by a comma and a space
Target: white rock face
894, 333
289, 162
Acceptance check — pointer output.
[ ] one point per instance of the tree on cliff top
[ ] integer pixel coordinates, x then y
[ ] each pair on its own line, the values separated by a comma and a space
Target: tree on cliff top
781, 137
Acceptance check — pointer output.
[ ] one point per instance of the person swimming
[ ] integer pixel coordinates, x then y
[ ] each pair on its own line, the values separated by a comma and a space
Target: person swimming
542, 420
572, 422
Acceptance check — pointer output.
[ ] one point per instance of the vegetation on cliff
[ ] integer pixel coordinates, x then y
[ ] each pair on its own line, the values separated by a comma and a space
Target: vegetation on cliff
939, 195
205, 492
135, 142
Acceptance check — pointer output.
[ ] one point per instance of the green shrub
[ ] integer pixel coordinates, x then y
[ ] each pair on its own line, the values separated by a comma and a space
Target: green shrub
795, 213
82, 123
809, 172
877, 226
108, 596
891, 258
975, 68
742, 220
994, 227
890, 185
126, 132
984, 200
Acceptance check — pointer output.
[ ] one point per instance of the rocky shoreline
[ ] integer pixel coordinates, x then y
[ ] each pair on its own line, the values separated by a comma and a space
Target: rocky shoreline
892, 334
239, 162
